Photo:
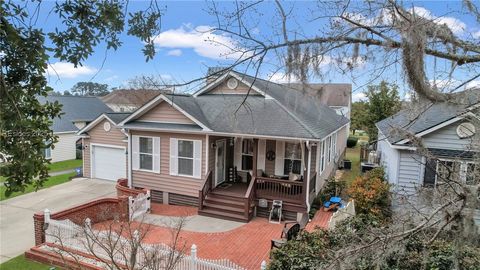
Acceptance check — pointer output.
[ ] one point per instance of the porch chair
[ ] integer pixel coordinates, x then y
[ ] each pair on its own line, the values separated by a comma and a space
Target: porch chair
288, 233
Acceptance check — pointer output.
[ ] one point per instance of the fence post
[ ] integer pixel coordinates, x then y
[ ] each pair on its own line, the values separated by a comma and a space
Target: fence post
193, 254
130, 208
88, 224
149, 200
263, 266
46, 216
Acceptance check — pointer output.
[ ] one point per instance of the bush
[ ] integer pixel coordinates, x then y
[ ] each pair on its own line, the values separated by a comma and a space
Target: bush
352, 141
371, 194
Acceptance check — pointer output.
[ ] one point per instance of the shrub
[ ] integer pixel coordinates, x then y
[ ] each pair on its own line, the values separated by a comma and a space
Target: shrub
371, 194
352, 141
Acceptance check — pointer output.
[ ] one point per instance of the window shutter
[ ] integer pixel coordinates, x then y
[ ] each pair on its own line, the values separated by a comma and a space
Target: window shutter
135, 153
237, 150
173, 156
261, 154
279, 157
156, 154
430, 173
197, 159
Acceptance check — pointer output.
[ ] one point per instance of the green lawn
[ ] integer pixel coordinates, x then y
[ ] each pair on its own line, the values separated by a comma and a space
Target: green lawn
352, 154
51, 181
65, 165
21, 263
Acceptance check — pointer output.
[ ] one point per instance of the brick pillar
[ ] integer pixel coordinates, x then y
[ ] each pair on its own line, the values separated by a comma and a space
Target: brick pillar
38, 223
123, 208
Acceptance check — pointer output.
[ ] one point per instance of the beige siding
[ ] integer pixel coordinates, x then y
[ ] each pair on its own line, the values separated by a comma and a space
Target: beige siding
166, 113
100, 136
64, 148
223, 89
331, 167
163, 181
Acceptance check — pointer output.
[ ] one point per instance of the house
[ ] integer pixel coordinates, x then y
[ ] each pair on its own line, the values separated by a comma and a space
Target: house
228, 153
128, 100
77, 112
447, 134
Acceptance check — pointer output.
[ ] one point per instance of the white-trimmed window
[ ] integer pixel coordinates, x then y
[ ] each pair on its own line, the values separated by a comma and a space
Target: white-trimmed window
247, 154
334, 142
447, 170
145, 151
185, 157
322, 158
329, 145
47, 152
472, 173
292, 158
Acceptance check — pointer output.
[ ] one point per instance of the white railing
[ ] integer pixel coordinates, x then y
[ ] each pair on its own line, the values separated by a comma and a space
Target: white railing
66, 234
139, 205
342, 214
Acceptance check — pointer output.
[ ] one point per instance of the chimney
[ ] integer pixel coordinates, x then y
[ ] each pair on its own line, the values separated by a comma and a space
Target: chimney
214, 73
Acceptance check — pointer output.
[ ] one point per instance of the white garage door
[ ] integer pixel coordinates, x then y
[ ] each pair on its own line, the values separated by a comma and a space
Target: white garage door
108, 163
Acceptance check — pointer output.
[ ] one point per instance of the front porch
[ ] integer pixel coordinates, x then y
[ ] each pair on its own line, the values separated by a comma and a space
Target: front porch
246, 174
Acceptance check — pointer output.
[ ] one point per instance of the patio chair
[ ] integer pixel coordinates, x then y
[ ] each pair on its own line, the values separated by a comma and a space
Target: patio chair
288, 233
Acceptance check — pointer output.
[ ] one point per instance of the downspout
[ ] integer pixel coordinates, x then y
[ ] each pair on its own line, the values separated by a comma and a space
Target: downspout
309, 160
129, 158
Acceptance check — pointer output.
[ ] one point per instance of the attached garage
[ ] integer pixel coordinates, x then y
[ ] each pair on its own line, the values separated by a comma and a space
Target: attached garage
108, 162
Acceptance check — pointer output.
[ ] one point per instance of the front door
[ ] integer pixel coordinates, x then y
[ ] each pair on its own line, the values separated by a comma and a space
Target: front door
220, 162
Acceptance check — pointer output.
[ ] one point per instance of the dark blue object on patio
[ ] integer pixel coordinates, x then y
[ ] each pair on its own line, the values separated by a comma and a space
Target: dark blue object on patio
326, 204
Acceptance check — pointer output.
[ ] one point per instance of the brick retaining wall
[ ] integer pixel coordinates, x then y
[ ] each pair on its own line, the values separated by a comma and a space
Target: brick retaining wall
124, 190
97, 210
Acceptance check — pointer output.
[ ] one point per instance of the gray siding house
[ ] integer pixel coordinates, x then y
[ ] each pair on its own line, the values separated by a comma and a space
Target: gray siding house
446, 130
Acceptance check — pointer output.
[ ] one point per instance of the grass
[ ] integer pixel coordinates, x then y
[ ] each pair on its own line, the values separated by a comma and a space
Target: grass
65, 165
352, 154
20, 262
51, 181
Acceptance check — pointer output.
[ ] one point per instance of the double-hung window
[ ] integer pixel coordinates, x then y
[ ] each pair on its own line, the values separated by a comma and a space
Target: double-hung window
472, 175
247, 154
447, 170
292, 158
47, 152
322, 158
329, 151
185, 157
146, 153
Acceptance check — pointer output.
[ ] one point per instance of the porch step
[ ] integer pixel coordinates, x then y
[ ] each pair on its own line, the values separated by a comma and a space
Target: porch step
225, 208
217, 200
213, 212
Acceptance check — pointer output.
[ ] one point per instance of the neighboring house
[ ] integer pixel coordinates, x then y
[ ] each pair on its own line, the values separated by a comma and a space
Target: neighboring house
445, 132
77, 112
128, 100
227, 153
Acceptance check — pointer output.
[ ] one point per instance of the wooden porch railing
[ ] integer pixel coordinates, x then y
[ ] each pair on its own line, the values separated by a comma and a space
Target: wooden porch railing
312, 183
275, 189
207, 187
249, 198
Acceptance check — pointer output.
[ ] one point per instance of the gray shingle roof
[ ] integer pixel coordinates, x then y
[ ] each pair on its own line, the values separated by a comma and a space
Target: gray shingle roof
75, 108
318, 118
117, 117
430, 115
289, 114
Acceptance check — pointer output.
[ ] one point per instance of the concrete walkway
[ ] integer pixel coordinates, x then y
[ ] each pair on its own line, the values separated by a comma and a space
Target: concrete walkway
16, 219
194, 223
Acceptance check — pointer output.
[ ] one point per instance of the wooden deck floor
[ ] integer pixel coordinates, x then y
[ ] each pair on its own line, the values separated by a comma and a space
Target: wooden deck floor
231, 189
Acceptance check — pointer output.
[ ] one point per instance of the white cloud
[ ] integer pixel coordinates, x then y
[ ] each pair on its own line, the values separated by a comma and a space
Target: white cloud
358, 96
175, 52
68, 71
454, 24
280, 77
202, 39
111, 78
476, 34
472, 84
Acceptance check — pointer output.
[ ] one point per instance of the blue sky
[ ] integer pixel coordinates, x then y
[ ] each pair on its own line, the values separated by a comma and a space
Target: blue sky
183, 55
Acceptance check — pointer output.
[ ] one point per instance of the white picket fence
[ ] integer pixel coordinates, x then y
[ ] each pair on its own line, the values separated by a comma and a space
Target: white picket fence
139, 205
65, 233
342, 214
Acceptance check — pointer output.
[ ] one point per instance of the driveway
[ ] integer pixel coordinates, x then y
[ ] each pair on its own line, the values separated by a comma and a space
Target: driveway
16, 214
